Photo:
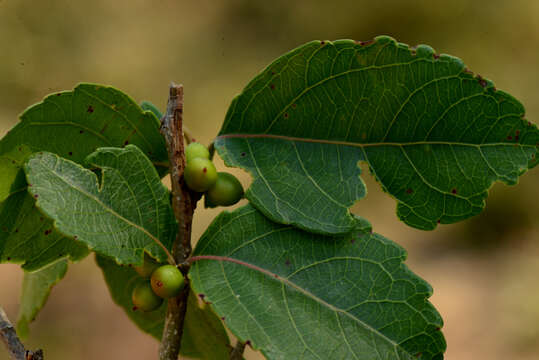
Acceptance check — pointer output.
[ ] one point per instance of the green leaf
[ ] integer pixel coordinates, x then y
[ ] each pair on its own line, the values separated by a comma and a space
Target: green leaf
295, 294
71, 124
435, 136
28, 237
204, 335
36, 288
148, 106
122, 215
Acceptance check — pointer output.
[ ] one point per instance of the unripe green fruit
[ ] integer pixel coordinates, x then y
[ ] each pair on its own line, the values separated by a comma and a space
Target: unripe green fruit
146, 269
226, 191
167, 281
144, 298
196, 150
200, 174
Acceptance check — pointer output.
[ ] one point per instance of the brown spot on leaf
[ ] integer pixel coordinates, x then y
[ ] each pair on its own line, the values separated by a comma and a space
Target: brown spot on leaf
365, 43
286, 115
509, 137
90, 109
453, 191
272, 86
436, 56
409, 191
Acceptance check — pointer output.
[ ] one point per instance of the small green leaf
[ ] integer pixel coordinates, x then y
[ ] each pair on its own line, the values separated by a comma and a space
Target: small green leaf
435, 136
204, 335
122, 215
299, 295
148, 106
36, 288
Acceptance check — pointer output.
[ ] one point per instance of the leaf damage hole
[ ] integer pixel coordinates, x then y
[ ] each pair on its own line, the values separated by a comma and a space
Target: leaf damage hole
90, 109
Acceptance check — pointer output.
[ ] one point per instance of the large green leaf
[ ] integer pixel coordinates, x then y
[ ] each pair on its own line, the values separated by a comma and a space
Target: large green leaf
204, 335
36, 288
122, 215
435, 136
299, 295
71, 124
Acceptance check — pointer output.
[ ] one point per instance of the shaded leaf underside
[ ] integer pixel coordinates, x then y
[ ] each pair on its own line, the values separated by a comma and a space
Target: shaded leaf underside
348, 297
435, 136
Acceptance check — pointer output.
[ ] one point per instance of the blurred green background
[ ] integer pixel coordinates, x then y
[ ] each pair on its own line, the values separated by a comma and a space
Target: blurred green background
483, 271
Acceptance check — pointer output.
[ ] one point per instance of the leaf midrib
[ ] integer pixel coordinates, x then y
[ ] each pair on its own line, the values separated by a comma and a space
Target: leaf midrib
364, 145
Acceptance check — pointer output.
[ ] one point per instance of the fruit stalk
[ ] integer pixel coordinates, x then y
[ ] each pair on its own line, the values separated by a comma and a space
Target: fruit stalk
183, 203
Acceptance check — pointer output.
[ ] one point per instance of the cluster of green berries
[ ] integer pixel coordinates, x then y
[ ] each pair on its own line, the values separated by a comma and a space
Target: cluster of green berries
159, 282
220, 188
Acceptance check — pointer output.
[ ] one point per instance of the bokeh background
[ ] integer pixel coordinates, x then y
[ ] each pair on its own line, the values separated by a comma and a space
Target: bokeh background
483, 271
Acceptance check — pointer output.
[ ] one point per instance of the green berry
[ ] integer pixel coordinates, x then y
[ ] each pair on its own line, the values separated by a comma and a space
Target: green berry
226, 191
196, 150
200, 174
167, 281
144, 298
147, 268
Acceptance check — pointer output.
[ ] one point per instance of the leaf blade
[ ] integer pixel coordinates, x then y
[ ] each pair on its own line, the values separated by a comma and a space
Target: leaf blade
389, 103
121, 217
36, 288
293, 293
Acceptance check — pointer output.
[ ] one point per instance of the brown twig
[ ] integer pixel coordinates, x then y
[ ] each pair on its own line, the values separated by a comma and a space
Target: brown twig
184, 203
11, 340
237, 352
